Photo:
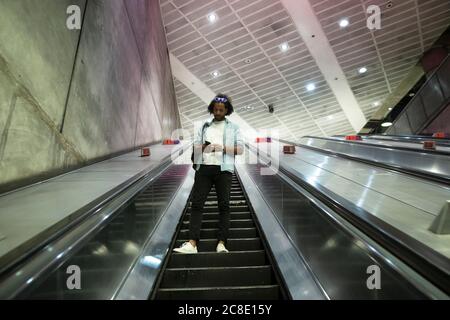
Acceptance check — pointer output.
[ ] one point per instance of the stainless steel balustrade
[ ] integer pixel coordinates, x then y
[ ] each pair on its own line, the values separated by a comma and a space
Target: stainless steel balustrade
426, 104
434, 165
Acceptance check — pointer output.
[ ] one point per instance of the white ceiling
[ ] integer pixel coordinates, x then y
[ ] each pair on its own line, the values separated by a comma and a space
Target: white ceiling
254, 29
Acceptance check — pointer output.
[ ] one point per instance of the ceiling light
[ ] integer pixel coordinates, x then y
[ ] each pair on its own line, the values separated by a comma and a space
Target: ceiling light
376, 104
215, 74
386, 124
248, 61
212, 17
362, 70
311, 87
412, 94
344, 23
390, 109
284, 47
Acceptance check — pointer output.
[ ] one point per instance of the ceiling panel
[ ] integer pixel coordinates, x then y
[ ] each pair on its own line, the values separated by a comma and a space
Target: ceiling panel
244, 46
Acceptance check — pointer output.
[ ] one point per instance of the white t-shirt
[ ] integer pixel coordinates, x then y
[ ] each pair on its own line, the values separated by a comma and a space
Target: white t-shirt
214, 135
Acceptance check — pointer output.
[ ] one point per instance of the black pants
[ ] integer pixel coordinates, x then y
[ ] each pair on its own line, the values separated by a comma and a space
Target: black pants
205, 177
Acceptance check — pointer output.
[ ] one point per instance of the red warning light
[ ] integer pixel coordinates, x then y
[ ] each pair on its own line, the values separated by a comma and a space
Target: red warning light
145, 152
289, 149
353, 138
440, 135
429, 145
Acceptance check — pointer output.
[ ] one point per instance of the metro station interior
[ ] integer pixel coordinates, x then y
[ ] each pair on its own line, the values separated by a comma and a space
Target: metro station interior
341, 113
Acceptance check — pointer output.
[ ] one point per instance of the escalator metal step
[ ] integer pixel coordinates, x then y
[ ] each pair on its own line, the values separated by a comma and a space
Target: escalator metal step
217, 276
213, 259
215, 216
211, 233
270, 292
208, 224
233, 185
232, 193
232, 203
237, 244
232, 198
243, 273
214, 209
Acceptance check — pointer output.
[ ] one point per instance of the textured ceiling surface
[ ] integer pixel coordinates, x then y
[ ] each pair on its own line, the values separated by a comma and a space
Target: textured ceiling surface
243, 46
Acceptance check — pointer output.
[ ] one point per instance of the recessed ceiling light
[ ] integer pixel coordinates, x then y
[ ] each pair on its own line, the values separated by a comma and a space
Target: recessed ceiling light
386, 124
215, 74
284, 47
376, 104
344, 23
362, 70
390, 109
212, 17
311, 87
248, 61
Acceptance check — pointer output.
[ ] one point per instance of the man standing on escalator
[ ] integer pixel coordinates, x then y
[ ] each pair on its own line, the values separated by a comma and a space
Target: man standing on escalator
215, 146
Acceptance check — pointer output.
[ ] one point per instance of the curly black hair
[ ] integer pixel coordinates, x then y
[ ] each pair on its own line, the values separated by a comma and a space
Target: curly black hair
217, 99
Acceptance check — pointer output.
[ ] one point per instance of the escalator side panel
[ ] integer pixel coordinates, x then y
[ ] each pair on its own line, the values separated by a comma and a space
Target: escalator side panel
107, 258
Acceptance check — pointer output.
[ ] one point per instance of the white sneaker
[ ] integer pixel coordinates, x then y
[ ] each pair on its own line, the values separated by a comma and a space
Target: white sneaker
221, 248
186, 247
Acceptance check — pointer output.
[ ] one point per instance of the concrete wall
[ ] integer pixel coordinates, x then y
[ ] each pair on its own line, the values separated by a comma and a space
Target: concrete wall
72, 97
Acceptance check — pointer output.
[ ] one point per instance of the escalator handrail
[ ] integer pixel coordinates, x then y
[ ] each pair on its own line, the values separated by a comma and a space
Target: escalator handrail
432, 152
50, 254
429, 263
440, 142
314, 281
425, 175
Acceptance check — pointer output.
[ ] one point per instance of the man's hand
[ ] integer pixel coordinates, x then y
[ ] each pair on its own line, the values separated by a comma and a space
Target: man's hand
212, 148
216, 147
233, 150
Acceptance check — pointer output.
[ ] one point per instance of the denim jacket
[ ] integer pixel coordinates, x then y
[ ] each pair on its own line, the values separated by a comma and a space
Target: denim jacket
231, 137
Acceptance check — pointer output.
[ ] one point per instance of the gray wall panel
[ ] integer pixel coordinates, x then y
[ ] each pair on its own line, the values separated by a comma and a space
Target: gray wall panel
109, 86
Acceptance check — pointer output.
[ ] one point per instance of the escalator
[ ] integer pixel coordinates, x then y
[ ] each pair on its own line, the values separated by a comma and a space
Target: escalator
337, 253
336, 257
428, 105
246, 272
429, 165
105, 260
417, 139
